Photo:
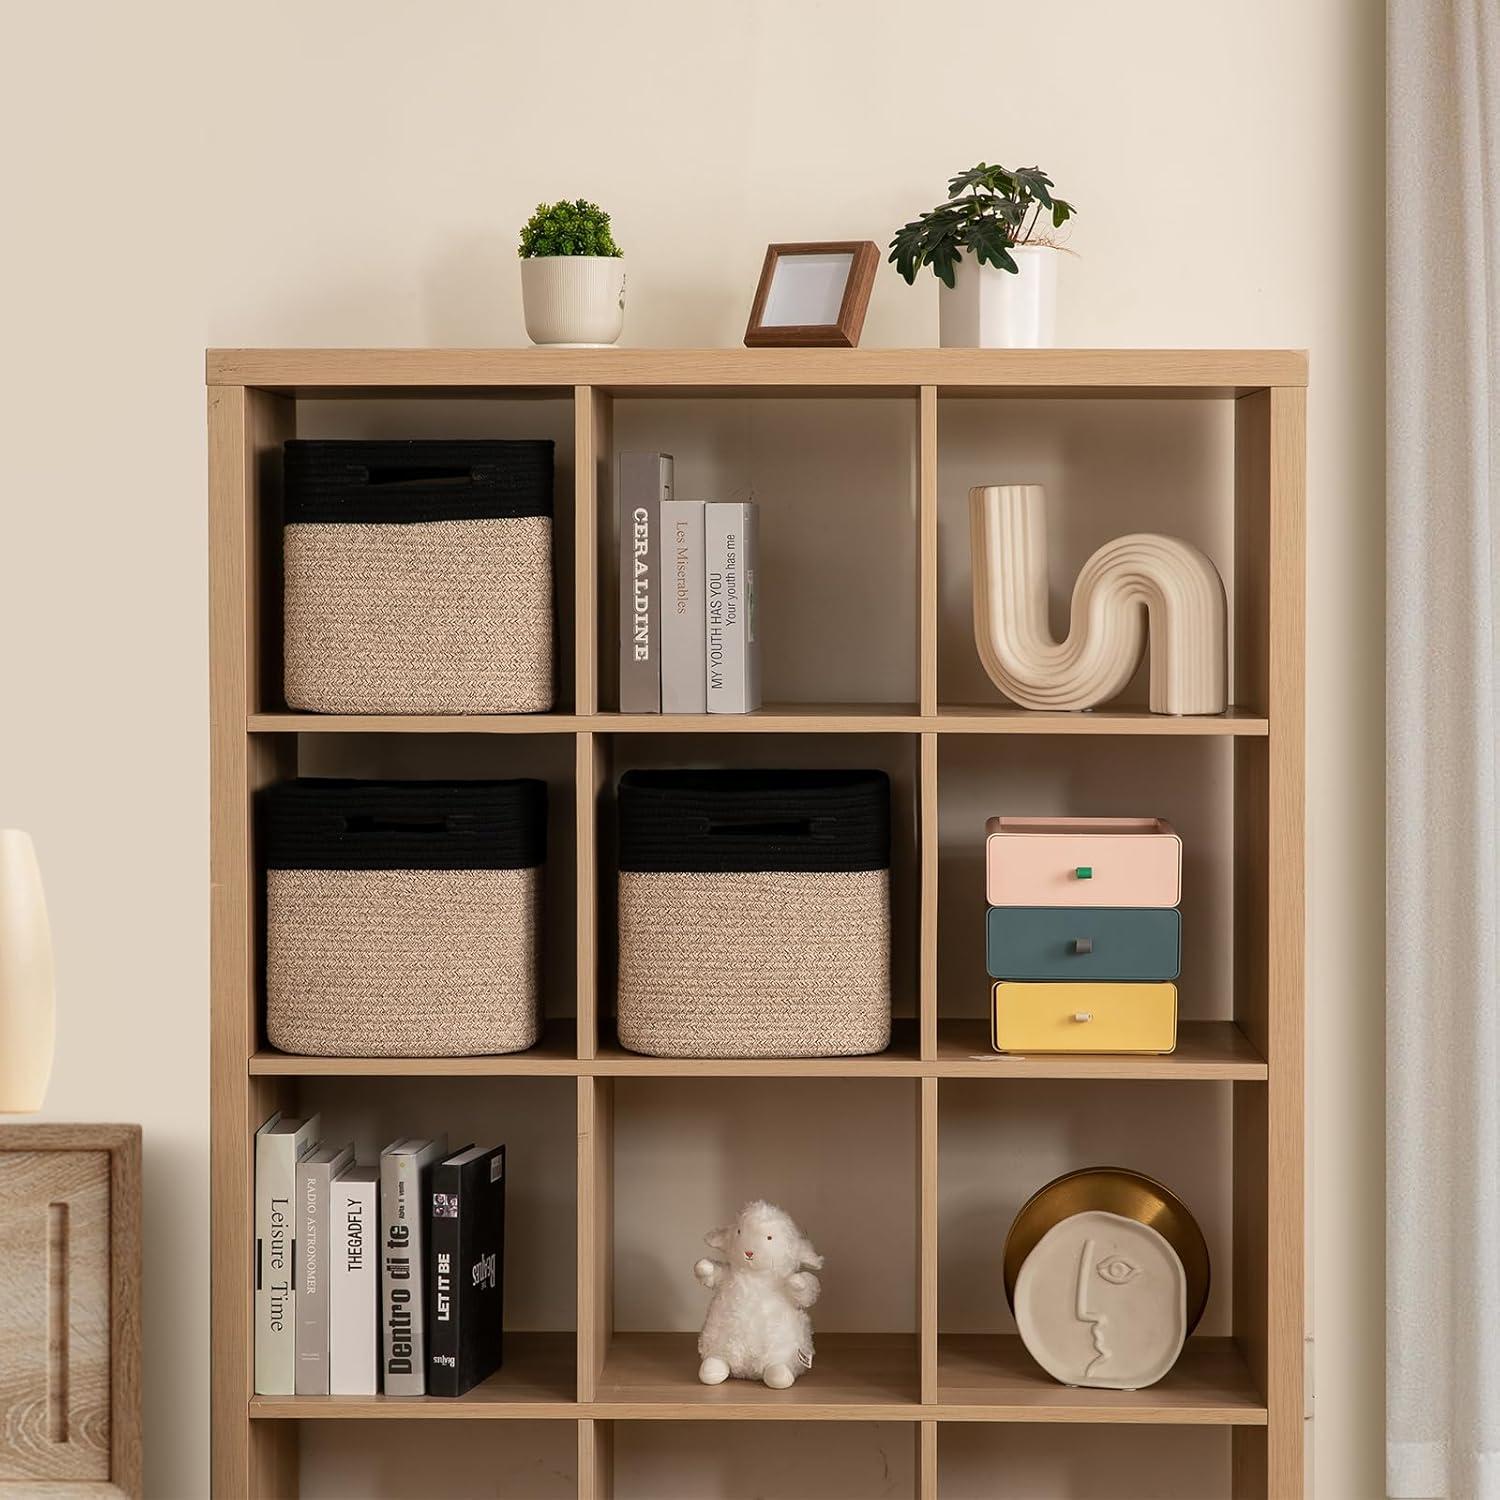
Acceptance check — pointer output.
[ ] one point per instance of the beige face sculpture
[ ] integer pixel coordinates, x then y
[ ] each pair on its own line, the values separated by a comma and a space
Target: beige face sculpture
1102, 1301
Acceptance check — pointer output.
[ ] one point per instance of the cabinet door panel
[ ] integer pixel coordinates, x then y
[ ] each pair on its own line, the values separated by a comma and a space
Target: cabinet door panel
54, 1316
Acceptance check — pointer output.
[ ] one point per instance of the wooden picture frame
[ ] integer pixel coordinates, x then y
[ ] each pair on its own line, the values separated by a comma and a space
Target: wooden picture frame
78, 1189
773, 326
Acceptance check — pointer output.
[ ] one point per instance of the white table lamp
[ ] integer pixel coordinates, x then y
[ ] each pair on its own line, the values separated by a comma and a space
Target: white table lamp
26, 980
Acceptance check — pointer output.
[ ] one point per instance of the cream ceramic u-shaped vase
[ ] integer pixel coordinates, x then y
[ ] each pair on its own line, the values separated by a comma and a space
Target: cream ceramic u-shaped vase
26, 978
1128, 583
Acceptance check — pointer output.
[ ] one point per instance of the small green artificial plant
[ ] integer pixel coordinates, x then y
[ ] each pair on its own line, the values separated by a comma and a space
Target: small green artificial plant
563, 228
989, 211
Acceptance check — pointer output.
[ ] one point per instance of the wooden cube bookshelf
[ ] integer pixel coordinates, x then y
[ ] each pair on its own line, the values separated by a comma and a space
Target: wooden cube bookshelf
1247, 1382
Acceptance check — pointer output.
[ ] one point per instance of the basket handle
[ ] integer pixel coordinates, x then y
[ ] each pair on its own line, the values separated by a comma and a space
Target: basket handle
776, 828
373, 823
395, 476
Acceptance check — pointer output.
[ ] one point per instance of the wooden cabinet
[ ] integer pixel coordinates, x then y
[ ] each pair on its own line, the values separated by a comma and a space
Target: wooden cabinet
69, 1305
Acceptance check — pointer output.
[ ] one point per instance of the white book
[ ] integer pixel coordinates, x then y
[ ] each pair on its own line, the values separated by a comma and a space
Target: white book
315, 1174
733, 650
279, 1145
683, 643
353, 1298
405, 1170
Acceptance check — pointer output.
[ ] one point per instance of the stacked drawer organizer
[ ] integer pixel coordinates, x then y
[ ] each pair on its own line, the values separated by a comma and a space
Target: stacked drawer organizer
1083, 937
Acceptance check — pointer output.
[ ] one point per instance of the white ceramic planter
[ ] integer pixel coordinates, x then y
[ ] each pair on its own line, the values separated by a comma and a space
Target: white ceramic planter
26, 989
988, 308
576, 301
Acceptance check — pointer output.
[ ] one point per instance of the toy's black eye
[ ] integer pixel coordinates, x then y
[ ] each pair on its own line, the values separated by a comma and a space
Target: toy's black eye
768, 1236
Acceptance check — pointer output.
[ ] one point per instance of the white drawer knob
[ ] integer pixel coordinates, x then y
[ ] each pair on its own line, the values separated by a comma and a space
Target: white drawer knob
1083, 1015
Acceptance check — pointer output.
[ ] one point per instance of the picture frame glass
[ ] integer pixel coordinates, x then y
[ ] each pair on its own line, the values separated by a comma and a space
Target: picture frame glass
807, 290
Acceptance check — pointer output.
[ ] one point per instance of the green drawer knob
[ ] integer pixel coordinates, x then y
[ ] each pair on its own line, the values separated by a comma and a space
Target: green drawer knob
1083, 945
1084, 872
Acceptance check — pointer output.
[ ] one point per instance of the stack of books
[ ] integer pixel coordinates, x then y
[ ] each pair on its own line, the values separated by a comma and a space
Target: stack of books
688, 638
373, 1279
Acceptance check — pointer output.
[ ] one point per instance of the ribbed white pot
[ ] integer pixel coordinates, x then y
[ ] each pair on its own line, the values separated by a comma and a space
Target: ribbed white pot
577, 301
26, 984
988, 308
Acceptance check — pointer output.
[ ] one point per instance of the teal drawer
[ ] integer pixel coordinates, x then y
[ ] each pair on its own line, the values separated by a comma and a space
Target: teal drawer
1097, 942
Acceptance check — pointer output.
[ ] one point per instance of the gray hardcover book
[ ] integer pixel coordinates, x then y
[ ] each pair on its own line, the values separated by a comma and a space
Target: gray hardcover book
683, 644
353, 1297
404, 1169
645, 480
279, 1145
315, 1174
733, 648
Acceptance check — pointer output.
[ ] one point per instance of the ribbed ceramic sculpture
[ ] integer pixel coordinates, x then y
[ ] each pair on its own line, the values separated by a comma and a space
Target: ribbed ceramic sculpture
26, 986
1128, 583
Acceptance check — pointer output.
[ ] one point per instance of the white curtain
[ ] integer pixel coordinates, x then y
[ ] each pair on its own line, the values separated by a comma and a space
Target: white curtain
1443, 751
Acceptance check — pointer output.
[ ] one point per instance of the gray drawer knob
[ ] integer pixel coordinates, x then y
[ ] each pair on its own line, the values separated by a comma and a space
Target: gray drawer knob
1083, 1015
1083, 945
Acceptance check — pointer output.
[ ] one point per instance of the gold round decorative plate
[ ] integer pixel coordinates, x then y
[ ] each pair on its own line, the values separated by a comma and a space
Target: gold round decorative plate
1115, 1190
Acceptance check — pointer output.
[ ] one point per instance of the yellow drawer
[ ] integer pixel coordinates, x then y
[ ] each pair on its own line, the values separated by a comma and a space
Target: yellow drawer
1037, 1017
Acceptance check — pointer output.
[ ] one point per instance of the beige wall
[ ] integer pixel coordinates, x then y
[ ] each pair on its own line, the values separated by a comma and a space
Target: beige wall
353, 173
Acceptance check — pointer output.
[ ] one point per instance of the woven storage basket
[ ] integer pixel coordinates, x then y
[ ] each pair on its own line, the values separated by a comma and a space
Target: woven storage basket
419, 577
754, 916
403, 917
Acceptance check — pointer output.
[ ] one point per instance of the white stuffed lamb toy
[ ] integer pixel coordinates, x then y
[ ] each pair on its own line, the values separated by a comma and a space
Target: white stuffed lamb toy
757, 1327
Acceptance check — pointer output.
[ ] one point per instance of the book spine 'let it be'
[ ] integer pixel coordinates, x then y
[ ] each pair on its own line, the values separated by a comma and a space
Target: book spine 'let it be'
465, 1318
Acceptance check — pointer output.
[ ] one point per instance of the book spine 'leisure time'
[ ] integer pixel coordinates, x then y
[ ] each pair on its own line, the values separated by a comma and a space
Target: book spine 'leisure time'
645, 481
683, 645
315, 1174
279, 1145
465, 1320
353, 1299
733, 666
405, 1172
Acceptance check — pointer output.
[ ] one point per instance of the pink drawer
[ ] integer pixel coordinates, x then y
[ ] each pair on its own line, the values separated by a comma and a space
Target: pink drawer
1082, 862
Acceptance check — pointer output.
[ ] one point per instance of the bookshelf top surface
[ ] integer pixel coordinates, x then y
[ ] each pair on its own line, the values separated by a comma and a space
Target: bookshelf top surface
848, 372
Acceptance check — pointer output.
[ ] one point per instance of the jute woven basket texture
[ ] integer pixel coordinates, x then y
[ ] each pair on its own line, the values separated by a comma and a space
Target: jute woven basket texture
403, 963
755, 963
433, 617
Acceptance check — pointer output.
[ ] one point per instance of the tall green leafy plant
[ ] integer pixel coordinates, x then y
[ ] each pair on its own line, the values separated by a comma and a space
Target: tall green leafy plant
989, 211
563, 228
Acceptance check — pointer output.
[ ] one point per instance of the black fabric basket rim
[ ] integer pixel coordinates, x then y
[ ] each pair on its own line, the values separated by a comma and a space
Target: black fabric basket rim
707, 821
328, 480
732, 779
343, 823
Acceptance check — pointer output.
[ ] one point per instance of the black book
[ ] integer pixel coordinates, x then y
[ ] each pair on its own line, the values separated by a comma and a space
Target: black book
466, 1280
